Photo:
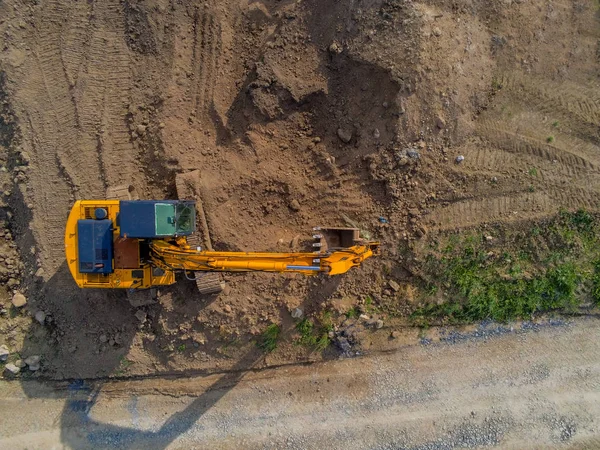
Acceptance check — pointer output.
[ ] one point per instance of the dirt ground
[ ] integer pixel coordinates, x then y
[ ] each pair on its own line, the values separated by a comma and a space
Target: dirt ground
298, 114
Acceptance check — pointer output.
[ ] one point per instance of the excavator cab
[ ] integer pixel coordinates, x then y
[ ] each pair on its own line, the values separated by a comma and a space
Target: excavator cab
107, 241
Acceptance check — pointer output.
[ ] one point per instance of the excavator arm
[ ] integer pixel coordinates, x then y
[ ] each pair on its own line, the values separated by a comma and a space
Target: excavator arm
177, 255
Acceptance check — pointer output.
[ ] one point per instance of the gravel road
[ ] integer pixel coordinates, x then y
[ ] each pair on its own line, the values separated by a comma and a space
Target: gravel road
532, 387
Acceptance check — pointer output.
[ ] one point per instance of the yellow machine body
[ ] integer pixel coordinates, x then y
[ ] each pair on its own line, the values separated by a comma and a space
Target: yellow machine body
141, 263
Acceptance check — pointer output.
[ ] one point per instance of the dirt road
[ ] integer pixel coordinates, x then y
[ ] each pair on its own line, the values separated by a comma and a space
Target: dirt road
535, 387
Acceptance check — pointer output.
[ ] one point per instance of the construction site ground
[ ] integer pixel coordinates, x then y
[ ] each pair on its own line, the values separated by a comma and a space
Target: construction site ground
434, 126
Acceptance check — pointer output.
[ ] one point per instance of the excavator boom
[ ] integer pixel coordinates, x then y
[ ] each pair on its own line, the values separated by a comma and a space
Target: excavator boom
179, 256
139, 244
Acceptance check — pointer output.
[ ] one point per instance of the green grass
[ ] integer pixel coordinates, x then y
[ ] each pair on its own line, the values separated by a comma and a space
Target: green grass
268, 339
181, 348
352, 313
316, 336
556, 124
550, 262
533, 172
550, 139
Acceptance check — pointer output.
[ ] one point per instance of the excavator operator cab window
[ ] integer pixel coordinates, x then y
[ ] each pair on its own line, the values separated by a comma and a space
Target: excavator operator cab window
185, 218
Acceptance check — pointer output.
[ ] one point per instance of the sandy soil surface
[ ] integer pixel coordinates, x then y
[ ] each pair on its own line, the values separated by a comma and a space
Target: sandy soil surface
297, 113
536, 387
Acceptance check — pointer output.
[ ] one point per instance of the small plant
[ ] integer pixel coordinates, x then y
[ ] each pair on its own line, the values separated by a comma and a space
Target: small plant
181, 348
269, 337
550, 139
312, 337
533, 172
352, 313
305, 327
555, 124
531, 188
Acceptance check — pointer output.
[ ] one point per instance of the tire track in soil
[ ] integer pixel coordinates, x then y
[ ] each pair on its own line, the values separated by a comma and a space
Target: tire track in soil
64, 136
512, 206
579, 156
60, 168
546, 96
104, 103
205, 61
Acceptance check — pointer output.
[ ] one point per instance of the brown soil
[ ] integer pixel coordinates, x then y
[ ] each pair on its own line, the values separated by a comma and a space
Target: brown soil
353, 110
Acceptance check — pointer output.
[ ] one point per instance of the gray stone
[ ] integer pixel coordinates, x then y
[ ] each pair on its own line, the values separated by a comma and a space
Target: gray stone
459, 159
19, 300
140, 129
297, 313
4, 352
395, 286
376, 133
103, 338
40, 316
344, 135
12, 369
379, 324
140, 315
412, 153
33, 362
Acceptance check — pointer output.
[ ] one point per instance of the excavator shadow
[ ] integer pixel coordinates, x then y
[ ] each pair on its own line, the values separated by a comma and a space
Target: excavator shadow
79, 428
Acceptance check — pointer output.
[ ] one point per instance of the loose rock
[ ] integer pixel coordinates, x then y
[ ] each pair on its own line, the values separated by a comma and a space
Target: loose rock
140, 315
395, 286
12, 369
344, 135
297, 313
4, 352
19, 300
379, 324
335, 48
140, 129
20, 363
395, 334
459, 159
33, 362
295, 205
40, 316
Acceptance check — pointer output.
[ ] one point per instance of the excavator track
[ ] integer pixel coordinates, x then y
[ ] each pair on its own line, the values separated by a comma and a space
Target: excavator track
188, 188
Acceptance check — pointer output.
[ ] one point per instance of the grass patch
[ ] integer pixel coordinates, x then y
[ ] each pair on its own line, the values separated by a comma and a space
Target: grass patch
181, 348
353, 313
543, 273
533, 172
555, 124
550, 139
316, 336
269, 337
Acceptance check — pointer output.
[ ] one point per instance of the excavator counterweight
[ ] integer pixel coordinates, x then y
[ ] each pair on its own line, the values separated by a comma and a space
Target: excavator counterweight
139, 244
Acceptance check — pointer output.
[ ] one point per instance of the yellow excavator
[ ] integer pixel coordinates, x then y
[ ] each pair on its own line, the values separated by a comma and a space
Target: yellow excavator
140, 244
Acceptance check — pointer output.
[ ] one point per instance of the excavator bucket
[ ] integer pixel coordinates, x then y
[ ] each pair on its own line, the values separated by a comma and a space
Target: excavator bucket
188, 188
331, 239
